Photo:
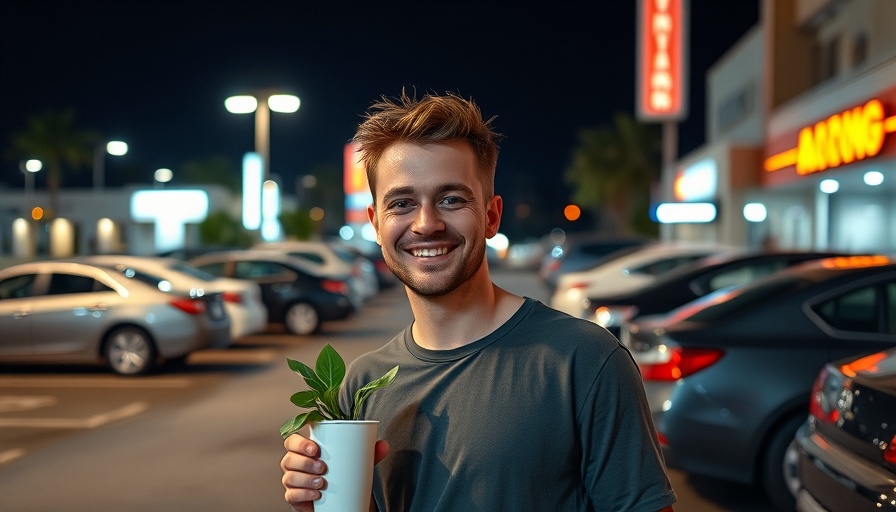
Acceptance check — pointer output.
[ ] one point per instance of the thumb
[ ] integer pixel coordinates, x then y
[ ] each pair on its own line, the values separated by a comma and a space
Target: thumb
380, 450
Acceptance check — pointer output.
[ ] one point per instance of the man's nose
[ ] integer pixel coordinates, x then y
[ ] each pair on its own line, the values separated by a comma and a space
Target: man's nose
427, 220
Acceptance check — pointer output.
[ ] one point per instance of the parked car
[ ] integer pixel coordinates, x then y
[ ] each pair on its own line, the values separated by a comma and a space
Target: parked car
327, 261
580, 251
68, 312
242, 299
294, 296
728, 376
847, 448
690, 282
628, 272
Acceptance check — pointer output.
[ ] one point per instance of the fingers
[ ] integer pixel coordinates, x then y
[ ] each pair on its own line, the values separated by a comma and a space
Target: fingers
302, 472
380, 450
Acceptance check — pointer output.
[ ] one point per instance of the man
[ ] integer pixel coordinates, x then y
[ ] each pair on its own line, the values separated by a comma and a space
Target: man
500, 403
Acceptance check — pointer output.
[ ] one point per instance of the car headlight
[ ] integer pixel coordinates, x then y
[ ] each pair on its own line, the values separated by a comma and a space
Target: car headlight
613, 316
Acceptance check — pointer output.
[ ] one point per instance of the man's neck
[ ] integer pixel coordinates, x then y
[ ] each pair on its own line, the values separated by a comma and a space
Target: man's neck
467, 314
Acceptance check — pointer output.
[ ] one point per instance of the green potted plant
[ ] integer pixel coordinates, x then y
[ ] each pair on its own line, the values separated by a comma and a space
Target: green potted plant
346, 442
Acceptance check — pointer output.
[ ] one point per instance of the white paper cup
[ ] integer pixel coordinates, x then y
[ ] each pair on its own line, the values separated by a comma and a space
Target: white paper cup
347, 449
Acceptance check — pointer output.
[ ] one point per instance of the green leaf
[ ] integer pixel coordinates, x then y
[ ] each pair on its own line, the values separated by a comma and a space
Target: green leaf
306, 398
330, 367
295, 424
331, 400
362, 394
308, 374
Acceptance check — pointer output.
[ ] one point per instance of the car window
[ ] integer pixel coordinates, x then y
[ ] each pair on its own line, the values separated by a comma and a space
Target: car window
740, 275
859, 310
727, 301
310, 256
662, 266
262, 270
143, 277
61, 284
215, 269
192, 271
17, 287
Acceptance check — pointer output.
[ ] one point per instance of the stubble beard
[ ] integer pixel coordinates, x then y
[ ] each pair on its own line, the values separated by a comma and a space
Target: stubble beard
425, 285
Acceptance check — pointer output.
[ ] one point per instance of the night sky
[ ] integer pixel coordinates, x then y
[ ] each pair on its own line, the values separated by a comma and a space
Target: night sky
156, 74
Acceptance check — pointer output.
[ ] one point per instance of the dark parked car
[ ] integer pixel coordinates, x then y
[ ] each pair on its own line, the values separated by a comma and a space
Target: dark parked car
689, 282
293, 294
728, 376
581, 251
847, 447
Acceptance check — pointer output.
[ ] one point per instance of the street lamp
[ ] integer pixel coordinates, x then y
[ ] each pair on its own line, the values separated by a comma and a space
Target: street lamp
28, 168
115, 148
262, 103
162, 176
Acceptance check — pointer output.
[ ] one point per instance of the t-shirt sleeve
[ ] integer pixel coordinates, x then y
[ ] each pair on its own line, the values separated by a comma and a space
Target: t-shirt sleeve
622, 465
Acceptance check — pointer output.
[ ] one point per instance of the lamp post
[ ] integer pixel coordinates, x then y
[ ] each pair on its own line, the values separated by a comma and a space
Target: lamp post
114, 147
162, 176
262, 102
29, 167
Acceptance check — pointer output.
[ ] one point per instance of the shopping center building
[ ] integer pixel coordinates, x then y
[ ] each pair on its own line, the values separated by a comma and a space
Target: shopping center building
801, 133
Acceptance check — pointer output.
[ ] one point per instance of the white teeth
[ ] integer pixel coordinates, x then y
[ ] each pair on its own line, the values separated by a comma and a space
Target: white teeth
429, 253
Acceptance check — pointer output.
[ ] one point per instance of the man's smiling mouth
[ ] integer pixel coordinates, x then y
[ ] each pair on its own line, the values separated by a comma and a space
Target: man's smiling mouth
429, 253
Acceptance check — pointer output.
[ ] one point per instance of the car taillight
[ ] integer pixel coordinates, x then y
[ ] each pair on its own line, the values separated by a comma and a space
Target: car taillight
825, 393
890, 451
189, 306
232, 297
672, 363
334, 286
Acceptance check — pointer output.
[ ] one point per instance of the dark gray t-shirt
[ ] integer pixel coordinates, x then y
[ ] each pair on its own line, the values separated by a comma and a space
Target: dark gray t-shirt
547, 413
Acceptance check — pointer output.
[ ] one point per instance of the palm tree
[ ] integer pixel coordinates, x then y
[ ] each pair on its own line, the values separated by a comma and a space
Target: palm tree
53, 139
613, 170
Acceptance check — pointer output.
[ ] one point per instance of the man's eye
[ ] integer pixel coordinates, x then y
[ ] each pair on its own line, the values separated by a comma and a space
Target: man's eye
453, 201
400, 204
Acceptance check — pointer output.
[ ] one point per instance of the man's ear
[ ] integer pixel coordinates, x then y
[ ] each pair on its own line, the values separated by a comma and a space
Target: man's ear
371, 216
493, 216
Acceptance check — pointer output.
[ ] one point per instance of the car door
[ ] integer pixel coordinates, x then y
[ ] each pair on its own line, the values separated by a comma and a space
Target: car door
69, 317
16, 297
275, 280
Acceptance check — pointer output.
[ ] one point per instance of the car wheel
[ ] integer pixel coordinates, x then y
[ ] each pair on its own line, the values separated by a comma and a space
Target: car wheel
301, 318
778, 470
129, 351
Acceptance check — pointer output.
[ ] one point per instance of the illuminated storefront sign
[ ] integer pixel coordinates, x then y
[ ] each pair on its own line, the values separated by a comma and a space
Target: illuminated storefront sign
357, 191
661, 84
170, 211
697, 182
852, 135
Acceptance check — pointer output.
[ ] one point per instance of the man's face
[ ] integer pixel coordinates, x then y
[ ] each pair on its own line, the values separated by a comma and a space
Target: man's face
430, 215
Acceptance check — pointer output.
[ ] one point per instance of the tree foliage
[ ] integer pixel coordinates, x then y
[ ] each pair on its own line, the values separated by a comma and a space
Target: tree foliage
53, 138
613, 170
220, 229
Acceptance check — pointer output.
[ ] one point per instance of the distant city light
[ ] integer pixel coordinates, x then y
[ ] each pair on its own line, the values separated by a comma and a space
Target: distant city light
37, 213
755, 212
829, 186
116, 148
346, 232
692, 213
873, 178
572, 212
33, 165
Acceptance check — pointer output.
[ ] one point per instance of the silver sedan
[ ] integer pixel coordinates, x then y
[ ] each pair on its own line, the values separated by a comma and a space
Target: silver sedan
63, 311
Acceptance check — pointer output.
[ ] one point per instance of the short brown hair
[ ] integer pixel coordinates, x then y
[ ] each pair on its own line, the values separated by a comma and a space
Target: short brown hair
431, 119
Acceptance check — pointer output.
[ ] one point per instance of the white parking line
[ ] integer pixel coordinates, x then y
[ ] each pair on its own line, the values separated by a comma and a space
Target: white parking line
97, 420
99, 382
11, 455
